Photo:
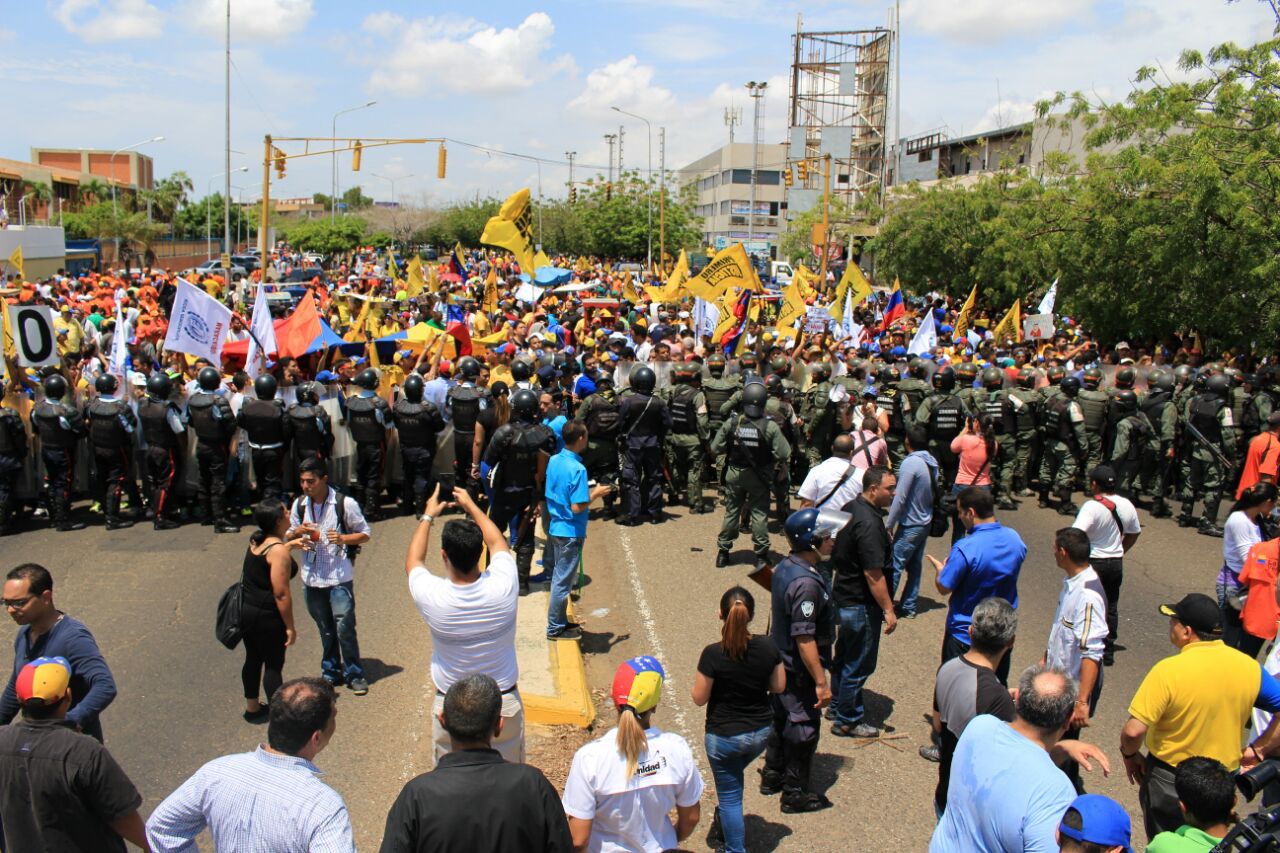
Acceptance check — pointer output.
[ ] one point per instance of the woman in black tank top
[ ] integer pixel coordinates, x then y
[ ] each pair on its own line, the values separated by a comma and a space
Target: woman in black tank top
267, 606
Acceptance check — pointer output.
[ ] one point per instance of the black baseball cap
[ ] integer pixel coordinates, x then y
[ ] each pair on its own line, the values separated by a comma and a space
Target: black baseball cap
1198, 612
1104, 475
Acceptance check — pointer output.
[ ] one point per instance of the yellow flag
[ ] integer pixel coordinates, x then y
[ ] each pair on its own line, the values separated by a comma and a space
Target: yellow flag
541, 260
490, 302
727, 320
581, 264
806, 277
729, 268
680, 274
499, 337
15, 260
629, 289
753, 314
433, 279
416, 281
853, 285
793, 308
512, 229
1010, 328
966, 312
6, 338
356, 332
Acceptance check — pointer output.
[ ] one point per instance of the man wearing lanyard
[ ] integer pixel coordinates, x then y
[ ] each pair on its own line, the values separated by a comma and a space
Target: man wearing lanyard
336, 526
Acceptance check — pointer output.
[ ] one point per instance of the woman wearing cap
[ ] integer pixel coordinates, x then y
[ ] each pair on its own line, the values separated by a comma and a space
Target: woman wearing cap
622, 786
734, 680
266, 614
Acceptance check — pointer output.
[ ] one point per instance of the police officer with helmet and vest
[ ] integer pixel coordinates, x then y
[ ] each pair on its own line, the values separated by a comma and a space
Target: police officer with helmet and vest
165, 430
1025, 401
308, 427
517, 459
463, 404
942, 415
754, 447
994, 402
112, 424
643, 423
689, 437
262, 417
718, 389
418, 423
1065, 444
60, 426
1157, 464
599, 411
803, 621
370, 420
1210, 415
13, 454
214, 423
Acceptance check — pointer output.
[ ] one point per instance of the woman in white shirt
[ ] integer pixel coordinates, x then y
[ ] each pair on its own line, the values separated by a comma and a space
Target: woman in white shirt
1242, 531
622, 786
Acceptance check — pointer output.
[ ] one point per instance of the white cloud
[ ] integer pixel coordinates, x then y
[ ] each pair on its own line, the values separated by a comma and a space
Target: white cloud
626, 84
383, 24
467, 56
251, 19
990, 20
1005, 113
7, 35
109, 20
684, 43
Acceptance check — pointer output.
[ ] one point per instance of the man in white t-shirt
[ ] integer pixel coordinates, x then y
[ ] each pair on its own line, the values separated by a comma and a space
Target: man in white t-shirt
470, 612
835, 481
1112, 525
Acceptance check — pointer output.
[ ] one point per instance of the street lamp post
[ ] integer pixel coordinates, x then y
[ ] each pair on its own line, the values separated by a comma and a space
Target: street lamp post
756, 91
648, 177
333, 200
392, 181
112, 164
208, 219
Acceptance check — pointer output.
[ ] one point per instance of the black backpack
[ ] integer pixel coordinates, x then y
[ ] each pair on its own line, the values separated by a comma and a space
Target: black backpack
340, 508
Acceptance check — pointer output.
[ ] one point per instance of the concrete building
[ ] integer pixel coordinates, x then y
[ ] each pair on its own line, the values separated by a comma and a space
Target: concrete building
934, 156
129, 169
62, 172
723, 182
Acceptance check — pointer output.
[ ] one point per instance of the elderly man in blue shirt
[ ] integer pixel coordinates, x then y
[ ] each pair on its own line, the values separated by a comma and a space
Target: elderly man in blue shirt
568, 501
911, 514
985, 563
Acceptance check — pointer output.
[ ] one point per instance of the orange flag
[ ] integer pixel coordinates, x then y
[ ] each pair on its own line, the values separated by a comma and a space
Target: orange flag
295, 336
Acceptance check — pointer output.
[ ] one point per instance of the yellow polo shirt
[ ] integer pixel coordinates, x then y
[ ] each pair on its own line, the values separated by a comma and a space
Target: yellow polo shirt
1197, 702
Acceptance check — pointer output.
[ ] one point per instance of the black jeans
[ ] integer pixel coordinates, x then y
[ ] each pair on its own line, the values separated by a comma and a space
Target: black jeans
793, 736
1111, 572
268, 467
212, 459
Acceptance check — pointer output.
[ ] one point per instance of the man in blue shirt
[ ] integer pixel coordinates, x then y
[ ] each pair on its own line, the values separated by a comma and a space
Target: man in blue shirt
911, 513
984, 564
568, 500
553, 417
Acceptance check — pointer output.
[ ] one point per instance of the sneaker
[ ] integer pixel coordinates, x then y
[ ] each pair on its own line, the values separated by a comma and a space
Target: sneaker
540, 577
569, 632
334, 680
931, 753
358, 686
806, 802
257, 717
859, 730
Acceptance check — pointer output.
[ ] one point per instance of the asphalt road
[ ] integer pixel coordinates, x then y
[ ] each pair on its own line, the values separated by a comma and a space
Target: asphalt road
150, 598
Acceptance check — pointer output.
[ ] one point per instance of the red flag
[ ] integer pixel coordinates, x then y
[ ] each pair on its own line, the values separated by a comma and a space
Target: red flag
302, 327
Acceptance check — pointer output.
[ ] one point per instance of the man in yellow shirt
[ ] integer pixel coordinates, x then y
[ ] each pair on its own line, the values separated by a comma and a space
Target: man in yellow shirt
1196, 702
69, 331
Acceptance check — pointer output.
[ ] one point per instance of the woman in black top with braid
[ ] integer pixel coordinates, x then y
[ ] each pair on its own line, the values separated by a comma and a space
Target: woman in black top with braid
266, 612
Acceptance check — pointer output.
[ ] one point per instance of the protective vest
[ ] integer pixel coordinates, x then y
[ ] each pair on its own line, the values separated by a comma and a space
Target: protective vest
1025, 413
1204, 417
53, 422
993, 407
308, 428
107, 421
519, 445
154, 417
464, 407
1239, 402
749, 446
1154, 405
946, 420
416, 423
717, 393
1140, 434
602, 417
887, 399
210, 417
1251, 421
13, 438
263, 420
1057, 419
911, 393
647, 421
1093, 405
684, 417
367, 419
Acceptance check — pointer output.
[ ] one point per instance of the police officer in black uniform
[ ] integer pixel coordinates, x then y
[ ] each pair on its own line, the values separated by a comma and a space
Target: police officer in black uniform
13, 453
517, 458
463, 404
599, 411
369, 418
165, 431
643, 424
60, 427
803, 628
308, 427
262, 417
418, 422
213, 423
111, 425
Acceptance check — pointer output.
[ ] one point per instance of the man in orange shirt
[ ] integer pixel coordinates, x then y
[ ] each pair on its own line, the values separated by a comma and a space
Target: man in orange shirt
1262, 460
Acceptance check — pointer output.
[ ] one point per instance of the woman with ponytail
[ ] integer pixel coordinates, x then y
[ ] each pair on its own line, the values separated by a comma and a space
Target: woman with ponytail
266, 611
734, 680
622, 786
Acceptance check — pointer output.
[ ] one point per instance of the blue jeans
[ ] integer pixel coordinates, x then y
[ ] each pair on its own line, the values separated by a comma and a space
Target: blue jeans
564, 557
729, 758
857, 648
908, 556
334, 610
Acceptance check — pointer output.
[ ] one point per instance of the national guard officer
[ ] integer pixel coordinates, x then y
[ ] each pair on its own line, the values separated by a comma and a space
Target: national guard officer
370, 420
818, 415
112, 424
1264, 400
780, 411
688, 440
1133, 441
517, 459
1026, 402
1064, 444
1157, 465
994, 402
803, 621
888, 398
213, 422
1209, 414
912, 391
1093, 403
942, 415
599, 411
966, 375
13, 455
309, 429
754, 447
643, 423
463, 404
60, 426
262, 417
418, 422
718, 390
165, 431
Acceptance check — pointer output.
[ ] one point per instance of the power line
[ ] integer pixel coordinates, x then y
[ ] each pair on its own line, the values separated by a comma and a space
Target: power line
551, 161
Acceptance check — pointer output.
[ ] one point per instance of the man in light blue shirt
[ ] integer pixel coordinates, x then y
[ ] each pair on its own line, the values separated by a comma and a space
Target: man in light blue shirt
911, 513
568, 499
437, 389
553, 417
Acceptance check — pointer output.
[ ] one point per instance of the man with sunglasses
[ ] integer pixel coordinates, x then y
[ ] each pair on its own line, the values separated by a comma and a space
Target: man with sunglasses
48, 632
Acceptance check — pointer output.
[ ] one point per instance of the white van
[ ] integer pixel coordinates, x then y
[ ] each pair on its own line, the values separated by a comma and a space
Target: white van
780, 272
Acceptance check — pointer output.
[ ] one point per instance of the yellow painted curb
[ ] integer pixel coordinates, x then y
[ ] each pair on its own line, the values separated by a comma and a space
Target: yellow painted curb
572, 705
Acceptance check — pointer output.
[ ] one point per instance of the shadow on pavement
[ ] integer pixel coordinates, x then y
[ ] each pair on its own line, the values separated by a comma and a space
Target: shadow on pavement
825, 771
599, 643
375, 670
879, 708
764, 835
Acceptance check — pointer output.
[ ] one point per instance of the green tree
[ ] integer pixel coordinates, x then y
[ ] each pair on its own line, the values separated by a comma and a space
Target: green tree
329, 237
355, 199
203, 218
168, 195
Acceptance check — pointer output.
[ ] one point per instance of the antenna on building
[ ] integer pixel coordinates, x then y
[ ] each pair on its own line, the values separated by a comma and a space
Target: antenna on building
732, 118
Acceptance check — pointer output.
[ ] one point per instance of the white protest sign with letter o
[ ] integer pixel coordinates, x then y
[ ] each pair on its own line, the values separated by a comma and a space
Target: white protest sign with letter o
33, 335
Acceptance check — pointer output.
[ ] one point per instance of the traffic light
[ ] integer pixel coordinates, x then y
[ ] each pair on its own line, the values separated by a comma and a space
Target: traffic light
440, 163
608, 191
786, 176
355, 156
573, 195
279, 159
802, 171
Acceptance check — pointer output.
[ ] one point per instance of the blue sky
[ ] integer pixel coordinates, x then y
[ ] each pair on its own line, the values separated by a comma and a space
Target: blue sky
536, 79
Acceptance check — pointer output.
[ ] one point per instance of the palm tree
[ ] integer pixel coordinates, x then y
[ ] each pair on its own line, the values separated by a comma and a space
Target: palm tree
168, 195
93, 189
36, 193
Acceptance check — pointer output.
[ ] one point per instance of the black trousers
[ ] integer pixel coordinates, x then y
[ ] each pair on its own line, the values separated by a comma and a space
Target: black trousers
642, 477
1111, 572
416, 464
162, 476
793, 736
462, 449
263, 658
10, 468
59, 467
268, 468
368, 483
110, 467
212, 461
516, 504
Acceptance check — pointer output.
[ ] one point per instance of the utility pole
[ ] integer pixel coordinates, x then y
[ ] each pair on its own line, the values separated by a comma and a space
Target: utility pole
826, 217
570, 155
226, 186
756, 91
611, 138
662, 196
621, 133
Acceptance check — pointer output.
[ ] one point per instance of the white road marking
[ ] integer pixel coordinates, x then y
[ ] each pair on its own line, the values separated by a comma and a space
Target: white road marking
599, 613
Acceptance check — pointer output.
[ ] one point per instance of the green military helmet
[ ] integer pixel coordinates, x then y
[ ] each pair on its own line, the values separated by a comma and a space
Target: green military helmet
716, 364
1027, 378
992, 378
820, 372
1161, 379
1092, 377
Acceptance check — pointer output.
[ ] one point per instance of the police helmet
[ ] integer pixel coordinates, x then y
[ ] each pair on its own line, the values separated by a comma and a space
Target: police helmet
1092, 377
55, 386
521, 371
265, 387
1236, 375
524, 405
1218, 385
1125, 401
159, 386
967, 371
780, 365
715, 364
685, 372
944, 379
209, 379
916, 368
807, 528
106, 384
1027, 377
307, 394
368, 379
1055, 374
820, 372
1161, 379
1125, 377
992, 378
643, 379
469, 368
754, 396
1070, 385
747, 361
1182, 373
413, 387
886, 375
773, 385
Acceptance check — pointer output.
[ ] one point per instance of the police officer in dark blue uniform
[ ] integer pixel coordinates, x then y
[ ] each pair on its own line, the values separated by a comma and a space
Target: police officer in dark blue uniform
213, 423
803, 628
643, 423
262, 417
60, 426
464, 402
369, 418
13, 453
308, 427
111, 427
165, 431
418, 422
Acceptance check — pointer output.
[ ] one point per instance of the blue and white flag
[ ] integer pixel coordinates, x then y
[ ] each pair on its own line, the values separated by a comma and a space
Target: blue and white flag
120, 346
926, 337
198, 323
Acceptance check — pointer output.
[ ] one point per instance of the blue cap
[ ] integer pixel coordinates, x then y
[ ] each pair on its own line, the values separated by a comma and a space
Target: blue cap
1105, 822
359, 360
327, 376
898, 352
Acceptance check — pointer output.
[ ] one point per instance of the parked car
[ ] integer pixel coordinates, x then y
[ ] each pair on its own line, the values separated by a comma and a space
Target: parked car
301, 275
249, 262
213, 266
314, 257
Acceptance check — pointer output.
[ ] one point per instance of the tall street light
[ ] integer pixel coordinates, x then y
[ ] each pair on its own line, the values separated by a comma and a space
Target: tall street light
648, 176
112, 165
208, 219
392, 181
756, 91
333, 199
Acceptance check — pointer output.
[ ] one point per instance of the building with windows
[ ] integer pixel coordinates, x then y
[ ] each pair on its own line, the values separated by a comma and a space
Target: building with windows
723, 183
934, 156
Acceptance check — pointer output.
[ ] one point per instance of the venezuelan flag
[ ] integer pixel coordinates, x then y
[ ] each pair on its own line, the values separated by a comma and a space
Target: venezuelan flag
455, 265
741, 310
895, 310
456, 327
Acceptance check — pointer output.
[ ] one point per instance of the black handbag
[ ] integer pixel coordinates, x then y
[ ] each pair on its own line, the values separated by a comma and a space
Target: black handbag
227, 627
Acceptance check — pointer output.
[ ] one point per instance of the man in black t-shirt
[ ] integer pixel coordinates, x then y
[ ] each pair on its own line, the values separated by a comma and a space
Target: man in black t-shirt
968, 686
862, 560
